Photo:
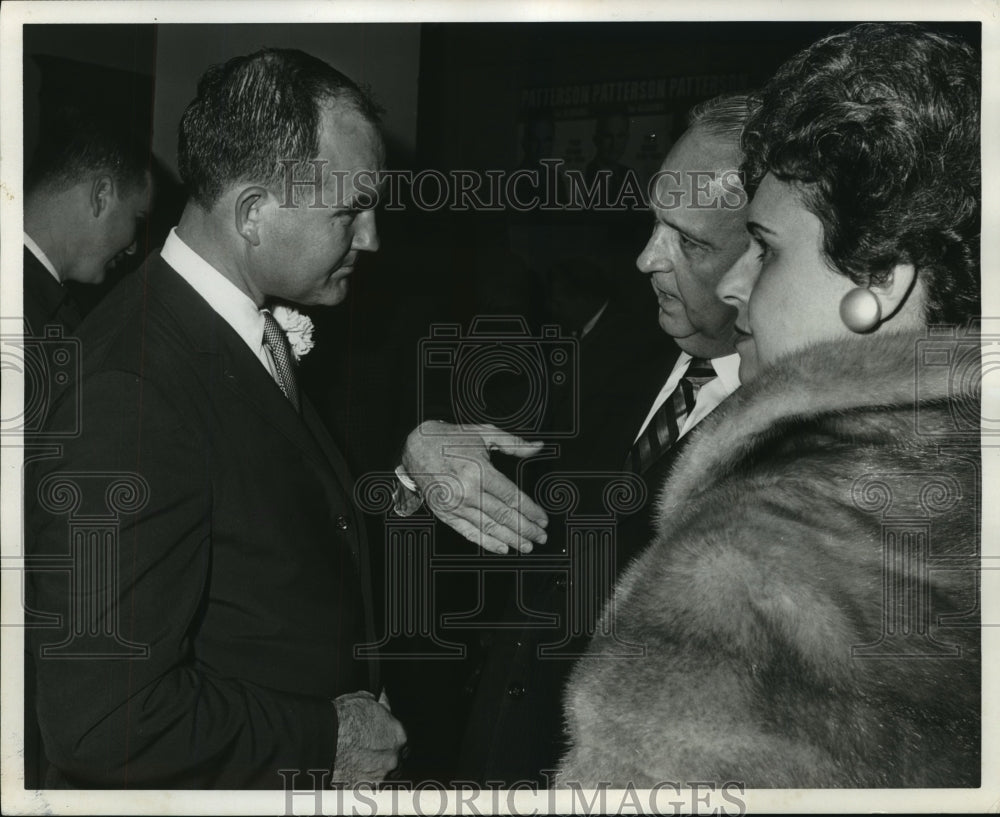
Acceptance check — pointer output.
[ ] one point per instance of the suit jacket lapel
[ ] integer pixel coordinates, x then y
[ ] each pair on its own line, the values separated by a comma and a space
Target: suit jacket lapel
241, 370
325, 442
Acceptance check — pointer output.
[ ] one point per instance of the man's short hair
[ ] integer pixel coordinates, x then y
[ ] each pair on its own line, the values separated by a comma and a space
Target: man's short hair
75, 145
723, 116
255, 111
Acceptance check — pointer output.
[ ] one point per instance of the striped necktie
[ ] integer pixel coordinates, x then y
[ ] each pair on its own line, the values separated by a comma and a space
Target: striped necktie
665, 426
281, 353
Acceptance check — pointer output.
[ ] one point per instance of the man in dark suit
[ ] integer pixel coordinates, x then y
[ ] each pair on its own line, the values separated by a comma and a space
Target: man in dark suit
86, 192
634, 414
217, 580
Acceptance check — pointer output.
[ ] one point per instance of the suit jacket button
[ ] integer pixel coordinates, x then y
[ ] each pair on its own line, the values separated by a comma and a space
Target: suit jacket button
342, 522
515, 691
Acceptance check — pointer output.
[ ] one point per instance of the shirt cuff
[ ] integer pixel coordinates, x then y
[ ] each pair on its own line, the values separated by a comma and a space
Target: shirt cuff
406, 498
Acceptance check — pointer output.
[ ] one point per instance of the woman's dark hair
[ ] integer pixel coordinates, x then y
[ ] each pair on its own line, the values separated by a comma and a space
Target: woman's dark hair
879, 128
254, 112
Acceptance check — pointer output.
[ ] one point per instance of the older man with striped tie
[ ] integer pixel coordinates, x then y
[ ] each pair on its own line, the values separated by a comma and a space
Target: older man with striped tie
699, 232
514, 731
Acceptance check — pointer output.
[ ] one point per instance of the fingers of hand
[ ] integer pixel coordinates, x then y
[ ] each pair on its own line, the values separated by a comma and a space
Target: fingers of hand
477, 483
386, 729
508, 443
483, 505
504, 522
475, 535
367, 724
399, 734
488, 521
516, 501
374, 766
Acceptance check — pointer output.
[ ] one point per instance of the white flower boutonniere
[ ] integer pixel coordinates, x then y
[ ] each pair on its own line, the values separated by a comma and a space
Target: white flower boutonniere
298, 328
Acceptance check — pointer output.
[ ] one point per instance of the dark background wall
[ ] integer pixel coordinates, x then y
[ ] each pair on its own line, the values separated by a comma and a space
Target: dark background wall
96, 67
383, 56
472, 74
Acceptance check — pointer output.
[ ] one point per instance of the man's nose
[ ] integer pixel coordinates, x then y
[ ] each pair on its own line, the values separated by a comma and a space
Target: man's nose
738, 281
653, 258
365, 232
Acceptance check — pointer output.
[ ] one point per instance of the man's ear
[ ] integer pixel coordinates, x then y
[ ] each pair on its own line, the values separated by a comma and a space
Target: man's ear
893, 292
102, 190
249, 213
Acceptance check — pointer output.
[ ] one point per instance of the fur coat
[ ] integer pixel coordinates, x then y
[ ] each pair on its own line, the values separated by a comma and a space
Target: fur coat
809, 603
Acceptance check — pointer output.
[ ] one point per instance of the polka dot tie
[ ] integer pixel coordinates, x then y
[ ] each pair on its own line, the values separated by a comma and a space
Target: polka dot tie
277, 341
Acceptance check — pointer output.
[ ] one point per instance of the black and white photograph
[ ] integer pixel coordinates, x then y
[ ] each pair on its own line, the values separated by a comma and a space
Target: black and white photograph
526, 409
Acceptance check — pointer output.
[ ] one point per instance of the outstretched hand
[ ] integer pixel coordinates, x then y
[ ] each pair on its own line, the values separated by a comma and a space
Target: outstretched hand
452, 469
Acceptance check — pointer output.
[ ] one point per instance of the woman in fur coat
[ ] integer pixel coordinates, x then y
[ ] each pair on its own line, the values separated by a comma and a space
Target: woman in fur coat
809, 605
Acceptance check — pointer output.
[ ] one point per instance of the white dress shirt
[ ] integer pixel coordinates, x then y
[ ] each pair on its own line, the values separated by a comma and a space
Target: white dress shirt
233, 305
37, 251
726, 381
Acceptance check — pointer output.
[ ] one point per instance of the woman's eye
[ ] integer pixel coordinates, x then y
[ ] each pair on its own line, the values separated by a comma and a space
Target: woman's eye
764, 251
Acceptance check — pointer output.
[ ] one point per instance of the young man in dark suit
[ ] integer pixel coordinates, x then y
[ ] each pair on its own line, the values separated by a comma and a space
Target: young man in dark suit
86, 192
210, 625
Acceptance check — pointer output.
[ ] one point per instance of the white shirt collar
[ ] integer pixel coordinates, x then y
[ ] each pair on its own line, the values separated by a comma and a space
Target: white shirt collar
728, 370
39, 253
233, 305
